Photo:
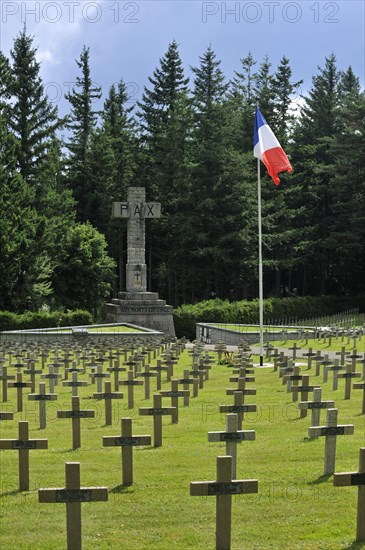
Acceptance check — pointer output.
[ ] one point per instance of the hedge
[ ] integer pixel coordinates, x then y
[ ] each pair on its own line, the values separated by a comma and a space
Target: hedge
222, 311
32, 319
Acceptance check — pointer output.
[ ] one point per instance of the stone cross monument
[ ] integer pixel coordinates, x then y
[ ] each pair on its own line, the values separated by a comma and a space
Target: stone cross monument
136, 305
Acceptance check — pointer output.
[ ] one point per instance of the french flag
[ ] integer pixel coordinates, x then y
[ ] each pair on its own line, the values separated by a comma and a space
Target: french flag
268, 149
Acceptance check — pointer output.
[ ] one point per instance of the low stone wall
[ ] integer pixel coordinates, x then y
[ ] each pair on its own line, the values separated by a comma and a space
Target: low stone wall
211, 334
80, 334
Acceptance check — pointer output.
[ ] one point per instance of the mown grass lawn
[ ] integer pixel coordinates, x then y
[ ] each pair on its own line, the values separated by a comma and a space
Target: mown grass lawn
320, 344
296, 508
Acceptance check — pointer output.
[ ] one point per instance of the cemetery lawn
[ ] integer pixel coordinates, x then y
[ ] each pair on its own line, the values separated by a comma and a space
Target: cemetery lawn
100, 329
317, 344
296, 507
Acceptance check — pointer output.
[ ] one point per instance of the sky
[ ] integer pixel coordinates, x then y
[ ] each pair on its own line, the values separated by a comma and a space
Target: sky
127, 38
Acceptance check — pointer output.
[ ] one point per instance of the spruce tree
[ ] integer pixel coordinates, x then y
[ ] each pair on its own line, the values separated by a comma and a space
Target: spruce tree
18, 230
314, 161
285, 96
33, 119
241, 105
165, 121
82, 123
216, 190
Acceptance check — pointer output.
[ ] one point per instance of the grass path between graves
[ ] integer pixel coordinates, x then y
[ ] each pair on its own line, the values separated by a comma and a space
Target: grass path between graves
296, 508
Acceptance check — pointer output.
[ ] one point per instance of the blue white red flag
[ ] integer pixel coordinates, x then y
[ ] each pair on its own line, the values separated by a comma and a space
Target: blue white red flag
268, 149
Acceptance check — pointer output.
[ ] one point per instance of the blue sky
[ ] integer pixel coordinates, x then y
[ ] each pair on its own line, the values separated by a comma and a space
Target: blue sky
127, 39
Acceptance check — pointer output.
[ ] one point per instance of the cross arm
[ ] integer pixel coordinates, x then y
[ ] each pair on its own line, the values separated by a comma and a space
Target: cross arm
347, 479
215, 488
83, 494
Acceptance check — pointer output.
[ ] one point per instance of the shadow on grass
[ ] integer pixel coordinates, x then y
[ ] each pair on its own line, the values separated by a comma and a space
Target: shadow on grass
321, 479
354, 546
309, 439
11, 493
65, 451
121, 489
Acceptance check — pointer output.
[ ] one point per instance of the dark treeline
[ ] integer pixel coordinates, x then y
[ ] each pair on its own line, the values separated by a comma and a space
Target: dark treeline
189, 141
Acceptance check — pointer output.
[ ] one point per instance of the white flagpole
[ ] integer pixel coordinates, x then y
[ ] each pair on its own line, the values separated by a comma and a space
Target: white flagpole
261, 305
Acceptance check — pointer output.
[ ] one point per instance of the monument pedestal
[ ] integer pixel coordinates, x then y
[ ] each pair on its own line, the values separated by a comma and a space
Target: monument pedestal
136, 305
141, 308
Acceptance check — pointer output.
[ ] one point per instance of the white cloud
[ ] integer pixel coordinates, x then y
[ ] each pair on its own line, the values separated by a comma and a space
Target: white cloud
46, 56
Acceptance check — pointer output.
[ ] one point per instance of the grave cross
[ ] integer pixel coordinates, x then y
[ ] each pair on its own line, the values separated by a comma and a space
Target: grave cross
356, 479
75, 384
75, 414
247, 378
241, 387
361, 386
126, 441
348, 375
157, 411
73, 495
146, 374
238, 408
342, 354
159, 368
223, 488
315, 406
292, 382
304, 389
99, 375
23, 444
335, 368
199, 373
52, 376
331, 431
185, 382
6, 415
294, 349
19, 385
309, 355
116, 370
136, 210
175, 393
108, 395
327, 363
5, 377
32, 371
232, 436
353, 359
131, 383
42, 397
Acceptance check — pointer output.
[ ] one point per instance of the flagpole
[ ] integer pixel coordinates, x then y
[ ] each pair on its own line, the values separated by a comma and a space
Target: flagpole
261, 307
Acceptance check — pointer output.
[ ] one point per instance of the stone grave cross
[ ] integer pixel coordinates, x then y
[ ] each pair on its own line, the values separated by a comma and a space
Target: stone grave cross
126, 441
223, 489
73, 495
23, 445
232, 436
136, 210
331, 431
356, 479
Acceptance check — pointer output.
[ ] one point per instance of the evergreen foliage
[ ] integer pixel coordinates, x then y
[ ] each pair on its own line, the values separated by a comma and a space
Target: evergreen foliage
190, 144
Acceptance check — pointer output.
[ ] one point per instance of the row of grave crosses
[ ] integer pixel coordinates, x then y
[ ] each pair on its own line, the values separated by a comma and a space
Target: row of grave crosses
73, 494
126, 441
291, 377
226, 483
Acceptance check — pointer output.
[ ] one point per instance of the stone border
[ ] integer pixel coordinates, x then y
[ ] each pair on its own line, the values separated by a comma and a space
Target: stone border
78, 333
211, 334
